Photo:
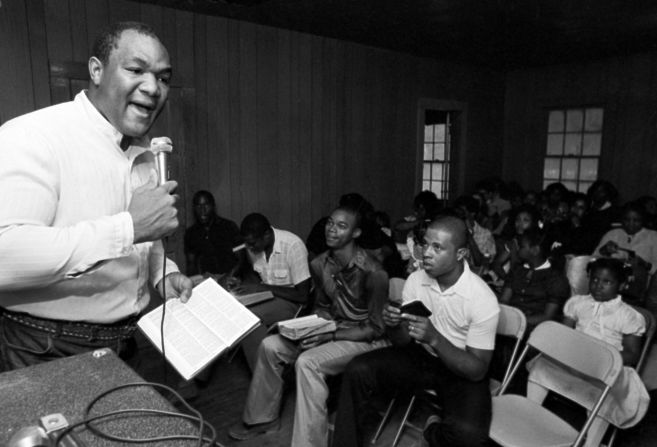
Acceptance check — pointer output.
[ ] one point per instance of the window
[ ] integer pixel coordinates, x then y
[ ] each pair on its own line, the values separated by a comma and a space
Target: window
574, 140
437, 144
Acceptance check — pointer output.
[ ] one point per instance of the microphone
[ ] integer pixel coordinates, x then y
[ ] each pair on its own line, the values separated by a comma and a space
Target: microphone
161, 147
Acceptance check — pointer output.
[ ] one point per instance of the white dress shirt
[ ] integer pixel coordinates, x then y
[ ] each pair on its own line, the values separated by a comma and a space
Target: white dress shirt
66, 238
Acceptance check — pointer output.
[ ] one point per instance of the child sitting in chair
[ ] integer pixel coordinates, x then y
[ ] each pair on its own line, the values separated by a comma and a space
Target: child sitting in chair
603, 314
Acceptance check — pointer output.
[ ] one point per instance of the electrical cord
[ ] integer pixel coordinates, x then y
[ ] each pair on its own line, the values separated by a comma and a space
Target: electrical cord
164, 306
196, 417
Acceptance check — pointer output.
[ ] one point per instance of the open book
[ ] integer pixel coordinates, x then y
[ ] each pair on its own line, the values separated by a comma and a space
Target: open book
197, 332
298, 328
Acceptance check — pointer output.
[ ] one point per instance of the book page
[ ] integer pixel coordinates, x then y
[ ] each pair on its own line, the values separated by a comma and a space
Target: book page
198, 331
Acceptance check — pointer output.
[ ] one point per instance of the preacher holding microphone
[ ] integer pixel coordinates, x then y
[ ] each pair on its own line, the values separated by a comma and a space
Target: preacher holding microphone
161, 147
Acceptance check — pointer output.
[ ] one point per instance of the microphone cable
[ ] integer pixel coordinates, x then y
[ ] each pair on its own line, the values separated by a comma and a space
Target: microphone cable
196, 416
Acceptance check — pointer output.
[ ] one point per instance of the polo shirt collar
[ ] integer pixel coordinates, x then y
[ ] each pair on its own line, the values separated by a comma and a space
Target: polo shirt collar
460, 287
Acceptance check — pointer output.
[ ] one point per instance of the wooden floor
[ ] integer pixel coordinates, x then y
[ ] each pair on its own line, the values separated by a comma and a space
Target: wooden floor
221, 402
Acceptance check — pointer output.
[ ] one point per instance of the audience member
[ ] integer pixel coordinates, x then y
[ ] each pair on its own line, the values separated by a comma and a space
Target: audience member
83, 217
316, 242
492, 190
209, 242
634, 244
481, 243
536, 285
425, 207
351, 288
450, 351
555, 207
649, 205
277, 261
603, 212
603, 314
525, 218
382, 248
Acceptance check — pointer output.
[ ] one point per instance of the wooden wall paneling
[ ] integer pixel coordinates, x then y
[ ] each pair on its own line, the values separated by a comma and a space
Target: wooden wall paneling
38, 51
123, 10
237, 194
198, 157
249, 181
302, 182
16, 94
60, 47
154, 16
319, 169
330, 177
283, 120
184, 57
79, 34
98, 17
267, 144
352, 160
219, 151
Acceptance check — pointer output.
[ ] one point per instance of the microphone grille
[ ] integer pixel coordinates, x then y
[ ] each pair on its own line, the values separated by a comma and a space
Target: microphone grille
161, 144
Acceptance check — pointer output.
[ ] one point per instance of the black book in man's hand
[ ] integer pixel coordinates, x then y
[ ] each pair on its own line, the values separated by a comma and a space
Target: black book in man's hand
416, 308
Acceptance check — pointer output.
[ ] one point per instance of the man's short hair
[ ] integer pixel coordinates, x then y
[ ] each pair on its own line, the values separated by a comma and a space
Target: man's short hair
354, 211
203, 193
255, 224
455, 226
108, 39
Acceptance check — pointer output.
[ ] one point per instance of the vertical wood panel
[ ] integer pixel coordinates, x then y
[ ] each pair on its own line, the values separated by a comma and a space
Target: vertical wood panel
38, 50
219, 150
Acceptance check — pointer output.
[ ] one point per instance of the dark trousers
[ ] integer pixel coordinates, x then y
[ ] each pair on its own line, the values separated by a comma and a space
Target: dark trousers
36, 342
466, 405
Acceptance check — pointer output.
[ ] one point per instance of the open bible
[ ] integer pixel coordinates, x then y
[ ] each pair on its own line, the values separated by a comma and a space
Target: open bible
197, 332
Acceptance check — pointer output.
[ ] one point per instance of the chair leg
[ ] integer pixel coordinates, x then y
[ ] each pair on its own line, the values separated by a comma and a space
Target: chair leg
596, 432
612, 438
403, 421
384, 420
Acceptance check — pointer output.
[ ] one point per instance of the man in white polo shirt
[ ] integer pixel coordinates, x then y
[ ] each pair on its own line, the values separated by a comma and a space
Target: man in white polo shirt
449, 351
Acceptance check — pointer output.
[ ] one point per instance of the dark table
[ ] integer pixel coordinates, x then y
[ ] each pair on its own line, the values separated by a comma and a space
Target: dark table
67, 385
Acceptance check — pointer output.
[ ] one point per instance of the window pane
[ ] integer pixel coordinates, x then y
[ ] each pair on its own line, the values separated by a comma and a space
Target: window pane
439, 152
589, 169
592, 142
569, 168
428, 133
546, 183
574, 120
426, 171
426, 185
552, 169
555, 144
572, 186
440, 132
428, 151
437, 171
594, 120
573, 144
555, 121
437, 188
584, 186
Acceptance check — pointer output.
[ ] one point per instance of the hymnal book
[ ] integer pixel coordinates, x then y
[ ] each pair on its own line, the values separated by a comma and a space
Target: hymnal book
197, 332
298, 328
249, 299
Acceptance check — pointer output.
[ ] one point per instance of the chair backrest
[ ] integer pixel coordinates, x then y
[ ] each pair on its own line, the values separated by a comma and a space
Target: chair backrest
587, 355
647, 337
395, 287
512, 323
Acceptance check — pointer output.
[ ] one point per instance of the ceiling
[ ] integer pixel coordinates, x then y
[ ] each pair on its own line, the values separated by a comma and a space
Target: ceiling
501, 34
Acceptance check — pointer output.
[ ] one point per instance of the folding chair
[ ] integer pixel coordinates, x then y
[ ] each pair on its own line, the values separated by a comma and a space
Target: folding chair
512, 323
520, 421
647, 343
